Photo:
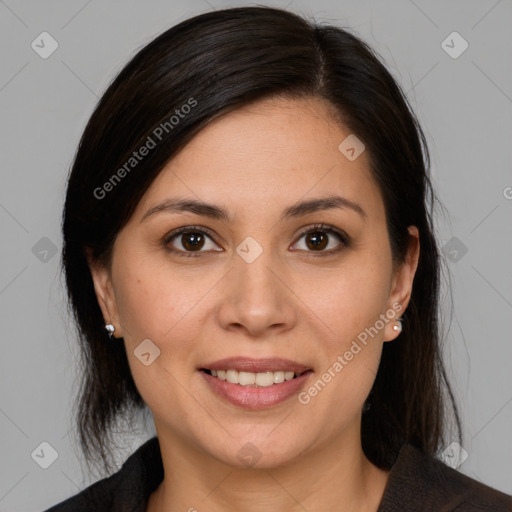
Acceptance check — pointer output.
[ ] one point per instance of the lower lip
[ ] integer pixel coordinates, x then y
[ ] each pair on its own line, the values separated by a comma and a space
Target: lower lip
255, 397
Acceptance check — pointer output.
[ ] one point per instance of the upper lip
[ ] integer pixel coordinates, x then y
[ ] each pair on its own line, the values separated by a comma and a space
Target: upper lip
247, 364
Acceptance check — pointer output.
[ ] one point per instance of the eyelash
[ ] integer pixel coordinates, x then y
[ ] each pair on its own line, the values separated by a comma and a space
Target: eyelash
343, 238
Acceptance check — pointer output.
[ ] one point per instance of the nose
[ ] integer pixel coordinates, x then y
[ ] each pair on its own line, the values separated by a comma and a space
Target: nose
256, 297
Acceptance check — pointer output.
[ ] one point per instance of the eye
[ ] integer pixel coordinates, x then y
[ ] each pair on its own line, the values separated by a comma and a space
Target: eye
320, 237
189, 240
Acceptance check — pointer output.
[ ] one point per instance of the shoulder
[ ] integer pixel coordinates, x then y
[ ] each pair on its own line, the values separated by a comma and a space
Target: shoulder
98, 496
126, 490
419, 482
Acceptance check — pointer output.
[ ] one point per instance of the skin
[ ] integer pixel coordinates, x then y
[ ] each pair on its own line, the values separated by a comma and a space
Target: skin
255, 162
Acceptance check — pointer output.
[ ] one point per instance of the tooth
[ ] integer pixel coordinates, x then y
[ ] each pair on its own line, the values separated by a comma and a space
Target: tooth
278, 377
232, 376
246, 378
265, 379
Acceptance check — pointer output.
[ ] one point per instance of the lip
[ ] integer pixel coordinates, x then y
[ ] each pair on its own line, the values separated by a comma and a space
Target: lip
248, 364
255, 397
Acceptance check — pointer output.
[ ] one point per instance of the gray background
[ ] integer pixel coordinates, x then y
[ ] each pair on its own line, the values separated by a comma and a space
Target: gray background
464, 105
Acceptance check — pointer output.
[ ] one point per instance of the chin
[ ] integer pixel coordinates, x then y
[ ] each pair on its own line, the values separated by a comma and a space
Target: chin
265, 452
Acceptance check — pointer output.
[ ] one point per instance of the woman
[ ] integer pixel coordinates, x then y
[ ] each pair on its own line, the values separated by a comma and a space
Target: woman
249, 218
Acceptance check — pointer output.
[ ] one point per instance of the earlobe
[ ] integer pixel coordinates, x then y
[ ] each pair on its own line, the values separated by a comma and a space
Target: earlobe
102, 281
403, 279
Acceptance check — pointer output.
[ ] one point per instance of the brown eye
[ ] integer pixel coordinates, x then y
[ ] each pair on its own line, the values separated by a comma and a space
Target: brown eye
322, 239
192, 241
317, 240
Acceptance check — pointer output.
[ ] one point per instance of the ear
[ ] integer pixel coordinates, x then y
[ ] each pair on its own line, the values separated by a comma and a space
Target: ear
104, 292
401, 285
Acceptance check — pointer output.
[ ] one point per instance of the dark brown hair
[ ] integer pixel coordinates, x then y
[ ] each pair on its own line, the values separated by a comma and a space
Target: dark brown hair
223, 60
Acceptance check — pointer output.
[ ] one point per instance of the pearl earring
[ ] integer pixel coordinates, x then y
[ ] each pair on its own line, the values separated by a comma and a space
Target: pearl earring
110, 330
398, 326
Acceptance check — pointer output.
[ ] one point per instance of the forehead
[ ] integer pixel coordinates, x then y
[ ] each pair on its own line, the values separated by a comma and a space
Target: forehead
275, 151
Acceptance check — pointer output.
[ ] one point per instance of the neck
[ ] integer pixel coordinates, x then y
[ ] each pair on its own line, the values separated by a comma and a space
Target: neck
337, 476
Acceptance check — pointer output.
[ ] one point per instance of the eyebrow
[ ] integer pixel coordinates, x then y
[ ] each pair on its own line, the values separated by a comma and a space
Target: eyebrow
177, 205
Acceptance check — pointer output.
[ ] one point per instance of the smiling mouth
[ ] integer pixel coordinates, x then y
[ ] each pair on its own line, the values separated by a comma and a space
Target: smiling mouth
250, 379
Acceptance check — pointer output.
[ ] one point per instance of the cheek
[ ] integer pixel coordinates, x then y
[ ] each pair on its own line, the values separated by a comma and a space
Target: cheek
351, 304
158, 305
167, 306
352, 297
153, 300
145, 306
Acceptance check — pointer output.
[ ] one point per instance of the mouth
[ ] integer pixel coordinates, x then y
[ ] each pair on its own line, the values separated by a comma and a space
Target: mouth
255, 383
252, 379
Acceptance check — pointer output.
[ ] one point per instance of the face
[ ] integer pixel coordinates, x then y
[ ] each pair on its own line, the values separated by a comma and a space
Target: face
270, 280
